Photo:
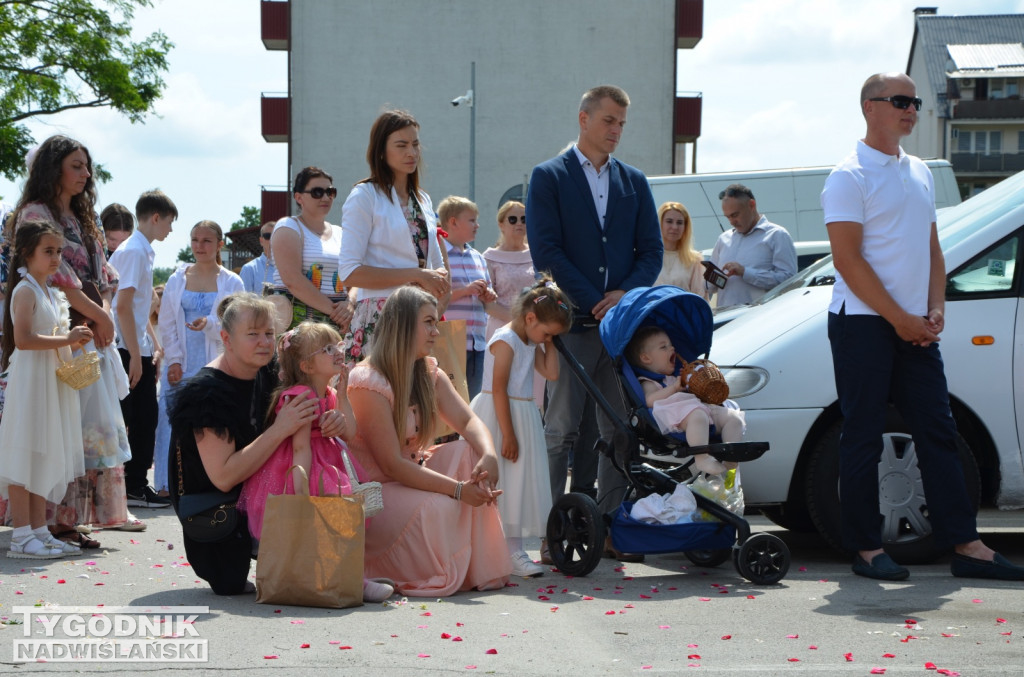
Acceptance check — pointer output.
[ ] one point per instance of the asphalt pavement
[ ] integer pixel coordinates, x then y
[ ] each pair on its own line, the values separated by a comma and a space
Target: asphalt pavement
664, 616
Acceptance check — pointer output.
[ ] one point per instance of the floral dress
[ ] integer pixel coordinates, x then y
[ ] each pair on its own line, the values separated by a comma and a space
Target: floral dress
99, 496
367, 311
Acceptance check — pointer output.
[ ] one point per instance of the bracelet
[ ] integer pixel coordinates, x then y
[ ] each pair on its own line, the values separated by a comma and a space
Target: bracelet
458, 491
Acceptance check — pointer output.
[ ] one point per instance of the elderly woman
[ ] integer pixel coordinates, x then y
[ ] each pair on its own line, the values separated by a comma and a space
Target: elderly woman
681, 266
305, 250
217, 435
390, 229
440, 531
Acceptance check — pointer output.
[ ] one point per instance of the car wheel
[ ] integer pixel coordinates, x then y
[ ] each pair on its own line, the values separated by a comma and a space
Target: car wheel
906, 530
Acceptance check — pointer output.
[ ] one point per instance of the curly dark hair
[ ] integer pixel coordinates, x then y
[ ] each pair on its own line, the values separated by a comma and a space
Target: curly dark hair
43, 185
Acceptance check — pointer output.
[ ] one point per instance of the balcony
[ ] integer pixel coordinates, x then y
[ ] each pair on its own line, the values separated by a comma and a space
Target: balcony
991, 109
273, 203
689, 23
274, 23
686, 117
992, 164
274, 115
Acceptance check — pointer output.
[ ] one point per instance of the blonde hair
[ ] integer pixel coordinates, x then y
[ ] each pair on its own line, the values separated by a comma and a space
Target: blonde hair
503, 211
452, 206
233, 308
294, 348
547, 301
214, 228
687, 254
392, 355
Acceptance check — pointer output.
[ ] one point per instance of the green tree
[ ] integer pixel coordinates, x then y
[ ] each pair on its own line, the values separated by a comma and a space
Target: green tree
250, 218
161, 275
57, 55
185, 255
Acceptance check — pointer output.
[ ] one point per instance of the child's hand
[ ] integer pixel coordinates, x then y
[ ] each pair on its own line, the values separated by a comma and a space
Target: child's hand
332, 423
197, 325
510, 448
673, 383
79, 336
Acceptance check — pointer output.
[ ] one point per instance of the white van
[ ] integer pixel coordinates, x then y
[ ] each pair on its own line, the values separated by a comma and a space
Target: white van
788, 197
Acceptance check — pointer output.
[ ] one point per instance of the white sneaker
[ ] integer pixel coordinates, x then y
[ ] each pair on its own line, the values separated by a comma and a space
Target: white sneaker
525, 567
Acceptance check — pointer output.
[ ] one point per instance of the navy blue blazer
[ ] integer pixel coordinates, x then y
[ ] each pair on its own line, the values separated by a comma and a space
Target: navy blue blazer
566, 238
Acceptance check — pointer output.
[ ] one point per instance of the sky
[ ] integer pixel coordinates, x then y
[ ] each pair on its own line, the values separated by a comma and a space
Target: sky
779, 80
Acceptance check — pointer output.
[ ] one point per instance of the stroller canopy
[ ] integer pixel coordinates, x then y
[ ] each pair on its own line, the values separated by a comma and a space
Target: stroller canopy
685, 317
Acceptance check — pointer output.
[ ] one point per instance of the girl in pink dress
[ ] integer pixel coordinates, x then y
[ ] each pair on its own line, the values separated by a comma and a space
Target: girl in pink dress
439, 532
310, 357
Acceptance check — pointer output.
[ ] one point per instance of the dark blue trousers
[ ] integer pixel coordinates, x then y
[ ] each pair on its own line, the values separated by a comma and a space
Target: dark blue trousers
874, 366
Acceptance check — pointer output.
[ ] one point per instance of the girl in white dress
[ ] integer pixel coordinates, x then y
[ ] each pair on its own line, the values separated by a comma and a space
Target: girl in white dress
505, 405
41, 432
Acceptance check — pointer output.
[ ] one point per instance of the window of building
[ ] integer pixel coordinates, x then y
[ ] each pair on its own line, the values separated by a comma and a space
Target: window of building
995, 142
1020, 142
997, 88
1012, 88
963, 141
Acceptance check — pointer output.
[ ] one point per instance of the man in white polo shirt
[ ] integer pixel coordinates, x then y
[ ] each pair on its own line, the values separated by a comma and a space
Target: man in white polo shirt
884, 323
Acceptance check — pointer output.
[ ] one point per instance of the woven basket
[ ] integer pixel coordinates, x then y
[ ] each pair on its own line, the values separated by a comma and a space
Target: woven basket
80, 372
703, 379
372, 492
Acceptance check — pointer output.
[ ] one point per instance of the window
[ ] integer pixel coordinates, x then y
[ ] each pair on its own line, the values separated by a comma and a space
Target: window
980, 142
1020, 142
991, 273
996, 88
1012, 90
963, 141
995, 142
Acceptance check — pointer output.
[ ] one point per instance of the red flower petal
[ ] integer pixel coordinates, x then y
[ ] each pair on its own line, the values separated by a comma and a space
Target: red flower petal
445, 635
270, 657
587, 597
888, 655
491, 651
726, 636
304, 646
812, 647
792, 636
694, 657
848, 657
877, 671
609, 613
422, 655
1000, 620
793, 660
456, 639
929, 666
61, 581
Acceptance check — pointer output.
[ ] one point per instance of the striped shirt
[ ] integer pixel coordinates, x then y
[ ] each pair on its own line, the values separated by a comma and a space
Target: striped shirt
467, 265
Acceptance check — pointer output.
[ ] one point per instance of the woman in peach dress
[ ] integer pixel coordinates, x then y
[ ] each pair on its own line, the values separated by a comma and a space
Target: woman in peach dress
439, 532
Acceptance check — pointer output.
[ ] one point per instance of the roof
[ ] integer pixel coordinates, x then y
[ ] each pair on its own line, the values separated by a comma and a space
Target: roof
993, 60
246, 240
932, 34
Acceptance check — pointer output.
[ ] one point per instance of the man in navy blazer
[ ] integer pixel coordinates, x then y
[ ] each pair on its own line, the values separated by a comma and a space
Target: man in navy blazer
592, 224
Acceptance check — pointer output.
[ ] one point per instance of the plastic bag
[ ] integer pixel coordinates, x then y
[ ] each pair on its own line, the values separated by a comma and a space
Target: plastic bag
724, 489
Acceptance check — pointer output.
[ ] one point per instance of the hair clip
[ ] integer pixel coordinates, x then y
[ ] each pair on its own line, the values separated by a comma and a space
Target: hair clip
561, 304
550, 284
286, 341
540, 298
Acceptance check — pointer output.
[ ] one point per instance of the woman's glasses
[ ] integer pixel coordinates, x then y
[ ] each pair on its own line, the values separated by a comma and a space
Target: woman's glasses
319, 192
515, 219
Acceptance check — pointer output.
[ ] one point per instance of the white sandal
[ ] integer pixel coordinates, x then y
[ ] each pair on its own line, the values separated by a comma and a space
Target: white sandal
66, 548
33, 548
132, 523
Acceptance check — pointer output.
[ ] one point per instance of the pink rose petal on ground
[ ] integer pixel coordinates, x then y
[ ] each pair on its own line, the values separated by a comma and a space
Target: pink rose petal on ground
813, 647
426, 613
726, 636
1000, 620
664, 627
751, 597
929, 666
1006, 633
459, 625
645, 596
976, 601
646, 667
848, 657
422, 655
705, 599
792, 636
270, 657
418, 626
877, 671
304, 646
553, 609
587, 597
543, 598
888, 655
471, 667
276, 611
298, 622
491, 651
691, 646
18, 592
946, 634
793, 660
609, 613
456, 639
334, 642
950, 673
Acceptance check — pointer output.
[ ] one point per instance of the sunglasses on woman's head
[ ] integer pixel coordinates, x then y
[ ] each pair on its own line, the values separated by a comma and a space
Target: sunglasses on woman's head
319, 192
515, 219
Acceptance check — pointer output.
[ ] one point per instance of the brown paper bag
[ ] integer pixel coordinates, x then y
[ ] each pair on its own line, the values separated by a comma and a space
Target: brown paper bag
311, 550
450, 351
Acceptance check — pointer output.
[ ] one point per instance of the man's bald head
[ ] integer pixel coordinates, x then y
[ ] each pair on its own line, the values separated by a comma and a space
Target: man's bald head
877, 85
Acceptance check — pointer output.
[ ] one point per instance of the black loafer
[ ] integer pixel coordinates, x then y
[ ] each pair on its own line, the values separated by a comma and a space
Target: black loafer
999, 568
882, 567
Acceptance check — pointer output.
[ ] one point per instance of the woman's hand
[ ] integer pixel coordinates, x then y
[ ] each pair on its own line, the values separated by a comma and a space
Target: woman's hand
486, 471
433, 281
174, 374
296, 413
341, 315
197, 324
478, 493
103, 330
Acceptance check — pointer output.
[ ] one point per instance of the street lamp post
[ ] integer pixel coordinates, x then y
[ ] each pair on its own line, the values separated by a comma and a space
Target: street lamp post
469, 100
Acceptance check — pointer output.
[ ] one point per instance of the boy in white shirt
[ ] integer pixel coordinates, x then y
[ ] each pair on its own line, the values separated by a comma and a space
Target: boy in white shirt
134, 263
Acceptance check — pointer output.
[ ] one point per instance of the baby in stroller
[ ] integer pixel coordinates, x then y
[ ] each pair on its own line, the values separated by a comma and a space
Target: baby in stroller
674, 408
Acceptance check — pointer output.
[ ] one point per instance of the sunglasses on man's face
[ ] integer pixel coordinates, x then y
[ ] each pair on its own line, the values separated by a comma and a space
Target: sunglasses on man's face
265, 236
318, 192
515, 219
900, 101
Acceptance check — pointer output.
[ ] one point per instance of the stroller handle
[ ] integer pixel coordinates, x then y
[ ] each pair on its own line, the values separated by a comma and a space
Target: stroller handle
588, 383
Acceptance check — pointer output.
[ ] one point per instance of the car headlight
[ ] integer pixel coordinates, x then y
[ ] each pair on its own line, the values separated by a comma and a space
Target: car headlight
744, 381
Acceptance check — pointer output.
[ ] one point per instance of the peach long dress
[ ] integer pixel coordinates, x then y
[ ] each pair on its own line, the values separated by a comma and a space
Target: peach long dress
429, 544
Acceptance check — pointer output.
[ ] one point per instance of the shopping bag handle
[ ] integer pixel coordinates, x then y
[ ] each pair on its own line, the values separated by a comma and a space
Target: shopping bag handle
305, 481
337, 474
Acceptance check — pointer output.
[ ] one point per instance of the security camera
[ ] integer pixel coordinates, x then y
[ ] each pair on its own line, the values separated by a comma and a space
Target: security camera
466, 98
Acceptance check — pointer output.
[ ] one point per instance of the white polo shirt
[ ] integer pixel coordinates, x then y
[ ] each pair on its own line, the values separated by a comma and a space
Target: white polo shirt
893, 197
134, 263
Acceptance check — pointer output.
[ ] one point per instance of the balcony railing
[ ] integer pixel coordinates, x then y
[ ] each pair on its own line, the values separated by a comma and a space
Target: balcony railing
274, 15
274, 112
274, 203
990, 109
992, 163
686, 116
689, 23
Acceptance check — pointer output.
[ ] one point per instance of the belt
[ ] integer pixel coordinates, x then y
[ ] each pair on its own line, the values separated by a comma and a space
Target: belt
518, 399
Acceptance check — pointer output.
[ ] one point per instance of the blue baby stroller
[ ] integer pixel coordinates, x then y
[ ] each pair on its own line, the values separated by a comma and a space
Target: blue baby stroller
576, 527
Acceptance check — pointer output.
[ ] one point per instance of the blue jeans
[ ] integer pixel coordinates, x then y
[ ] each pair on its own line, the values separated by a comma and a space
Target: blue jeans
566, 398
874, 366
474, 372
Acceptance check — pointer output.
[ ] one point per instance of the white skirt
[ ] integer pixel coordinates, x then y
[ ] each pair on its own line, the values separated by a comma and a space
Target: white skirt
526, 483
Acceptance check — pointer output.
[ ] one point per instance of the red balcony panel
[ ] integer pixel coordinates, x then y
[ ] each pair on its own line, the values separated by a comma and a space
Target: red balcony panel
689, 23
686, 120
273, 205
274, 115
274, 23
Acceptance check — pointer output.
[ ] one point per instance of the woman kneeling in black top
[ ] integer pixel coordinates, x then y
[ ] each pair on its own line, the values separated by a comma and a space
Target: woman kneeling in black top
217, 432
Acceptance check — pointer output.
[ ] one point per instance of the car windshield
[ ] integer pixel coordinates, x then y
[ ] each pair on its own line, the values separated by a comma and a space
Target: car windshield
954, 225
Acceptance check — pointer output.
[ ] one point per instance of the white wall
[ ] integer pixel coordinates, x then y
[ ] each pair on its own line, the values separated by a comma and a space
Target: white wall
534, 58
926, 139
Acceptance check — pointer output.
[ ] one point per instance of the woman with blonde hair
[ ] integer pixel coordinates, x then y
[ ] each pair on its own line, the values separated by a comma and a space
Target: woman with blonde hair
681, 266
509, 263
440, 531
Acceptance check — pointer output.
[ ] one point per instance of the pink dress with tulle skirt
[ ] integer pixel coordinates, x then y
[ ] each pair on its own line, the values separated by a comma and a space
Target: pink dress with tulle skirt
429, 544
273, 477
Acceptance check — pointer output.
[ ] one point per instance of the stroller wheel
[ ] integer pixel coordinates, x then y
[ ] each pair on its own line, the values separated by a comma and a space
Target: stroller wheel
762, 559
575, 534
708, 558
